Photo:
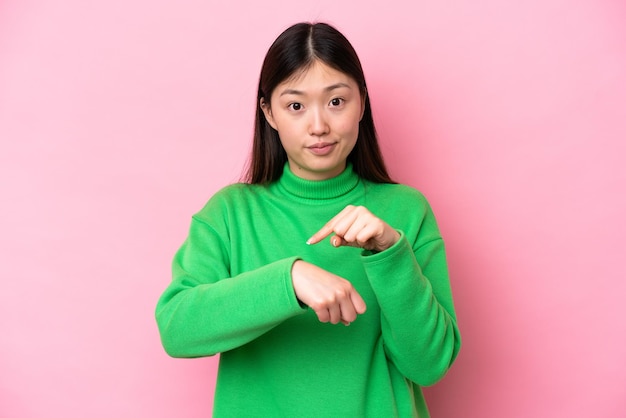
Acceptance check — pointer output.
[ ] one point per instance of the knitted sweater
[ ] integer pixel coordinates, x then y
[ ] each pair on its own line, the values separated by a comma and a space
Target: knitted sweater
232, 294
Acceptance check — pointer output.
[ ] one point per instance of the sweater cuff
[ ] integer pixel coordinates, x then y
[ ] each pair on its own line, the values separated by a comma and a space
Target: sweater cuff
291, 292
401, 245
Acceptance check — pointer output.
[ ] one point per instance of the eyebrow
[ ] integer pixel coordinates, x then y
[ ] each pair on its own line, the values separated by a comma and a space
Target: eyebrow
327, 89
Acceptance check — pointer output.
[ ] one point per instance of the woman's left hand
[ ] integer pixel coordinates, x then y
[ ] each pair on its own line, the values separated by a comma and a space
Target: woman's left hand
356, 226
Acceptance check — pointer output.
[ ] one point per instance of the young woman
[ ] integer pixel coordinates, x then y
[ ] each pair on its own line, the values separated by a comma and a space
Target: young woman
322, 283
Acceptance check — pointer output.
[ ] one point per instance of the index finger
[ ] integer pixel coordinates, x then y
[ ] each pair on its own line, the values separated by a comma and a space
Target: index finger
327, 229
321, 234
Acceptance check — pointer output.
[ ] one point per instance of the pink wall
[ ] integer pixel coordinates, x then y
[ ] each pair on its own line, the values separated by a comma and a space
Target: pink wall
118, 119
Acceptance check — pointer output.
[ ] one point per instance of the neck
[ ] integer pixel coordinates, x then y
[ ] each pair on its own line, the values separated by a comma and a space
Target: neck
330, 188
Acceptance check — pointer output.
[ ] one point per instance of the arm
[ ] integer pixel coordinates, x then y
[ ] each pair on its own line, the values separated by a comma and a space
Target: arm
204, 311
410, 280
418, 322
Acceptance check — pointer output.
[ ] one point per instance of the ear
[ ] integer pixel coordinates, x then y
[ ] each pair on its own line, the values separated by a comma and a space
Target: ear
267, 111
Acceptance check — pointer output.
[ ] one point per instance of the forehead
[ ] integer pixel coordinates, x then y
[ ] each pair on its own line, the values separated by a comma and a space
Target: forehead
318, 75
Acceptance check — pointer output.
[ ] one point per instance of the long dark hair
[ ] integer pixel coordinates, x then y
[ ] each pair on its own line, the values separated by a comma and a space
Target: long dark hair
294, 50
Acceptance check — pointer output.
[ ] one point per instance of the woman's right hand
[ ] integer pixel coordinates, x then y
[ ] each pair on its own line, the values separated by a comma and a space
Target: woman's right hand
333, 298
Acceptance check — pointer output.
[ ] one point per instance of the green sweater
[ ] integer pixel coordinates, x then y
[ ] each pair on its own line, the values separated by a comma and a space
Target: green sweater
232, 294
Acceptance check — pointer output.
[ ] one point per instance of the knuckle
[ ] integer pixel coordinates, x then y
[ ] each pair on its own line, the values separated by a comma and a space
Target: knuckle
342, 293
323, 304
317, 306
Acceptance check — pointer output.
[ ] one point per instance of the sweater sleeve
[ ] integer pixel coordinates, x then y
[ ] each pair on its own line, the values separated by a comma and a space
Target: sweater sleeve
205, 311
420, 332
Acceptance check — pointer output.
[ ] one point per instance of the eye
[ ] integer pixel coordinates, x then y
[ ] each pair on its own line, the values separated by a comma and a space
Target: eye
295, 106
336, 102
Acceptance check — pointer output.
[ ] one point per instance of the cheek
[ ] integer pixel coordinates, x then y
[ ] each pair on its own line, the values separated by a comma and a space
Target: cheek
288, 134
284, 128
349, 128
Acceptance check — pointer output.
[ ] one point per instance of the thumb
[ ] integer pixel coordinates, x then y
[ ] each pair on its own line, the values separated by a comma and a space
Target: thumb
337, 241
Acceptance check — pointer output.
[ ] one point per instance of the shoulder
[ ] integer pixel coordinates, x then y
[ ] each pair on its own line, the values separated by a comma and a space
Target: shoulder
235, 191
232, 197
403, 207
397, 194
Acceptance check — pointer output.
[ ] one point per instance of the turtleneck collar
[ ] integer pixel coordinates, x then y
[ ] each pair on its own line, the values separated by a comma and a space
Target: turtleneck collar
318, 189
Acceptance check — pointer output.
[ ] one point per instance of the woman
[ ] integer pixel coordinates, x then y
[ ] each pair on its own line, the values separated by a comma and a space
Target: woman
272, 267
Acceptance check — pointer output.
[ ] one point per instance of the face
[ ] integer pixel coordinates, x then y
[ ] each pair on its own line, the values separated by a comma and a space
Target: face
317, 116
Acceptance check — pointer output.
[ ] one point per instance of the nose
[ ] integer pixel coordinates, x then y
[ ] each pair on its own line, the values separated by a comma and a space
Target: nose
318, 125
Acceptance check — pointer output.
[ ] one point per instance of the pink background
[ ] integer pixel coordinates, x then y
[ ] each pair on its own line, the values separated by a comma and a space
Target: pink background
119, 119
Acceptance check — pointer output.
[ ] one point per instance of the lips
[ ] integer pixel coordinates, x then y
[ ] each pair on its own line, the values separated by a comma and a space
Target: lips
322, 144
322, 148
